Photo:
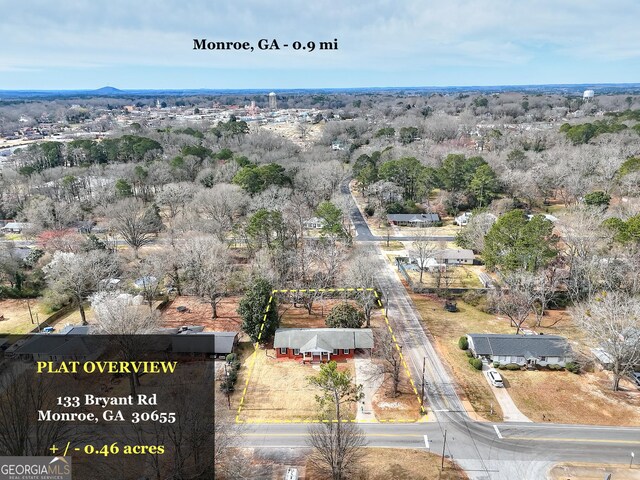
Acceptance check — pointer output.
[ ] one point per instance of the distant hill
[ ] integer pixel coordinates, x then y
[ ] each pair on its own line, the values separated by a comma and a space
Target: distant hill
106, 91
560, 89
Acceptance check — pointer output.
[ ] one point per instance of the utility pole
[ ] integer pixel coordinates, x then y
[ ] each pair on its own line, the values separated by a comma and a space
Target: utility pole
424, 362
30, 314
444, 446
226, 379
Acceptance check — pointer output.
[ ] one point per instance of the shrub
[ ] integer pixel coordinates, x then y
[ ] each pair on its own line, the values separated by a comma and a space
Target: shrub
573, 367
554, 366
369, 210
476, 363
473, 297
232, 357
463, 343
227, 386
345, 315
512, 366
496, 365
501, 366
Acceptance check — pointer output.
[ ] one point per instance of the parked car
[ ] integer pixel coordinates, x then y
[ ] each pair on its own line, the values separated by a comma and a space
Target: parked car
48, 330
635, 376
495, 378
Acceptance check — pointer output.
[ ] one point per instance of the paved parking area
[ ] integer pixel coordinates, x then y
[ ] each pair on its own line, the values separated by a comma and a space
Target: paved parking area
510, 412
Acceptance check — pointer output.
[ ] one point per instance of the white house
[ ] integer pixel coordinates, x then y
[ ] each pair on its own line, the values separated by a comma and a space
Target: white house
523, 350
462, 220
456, 256
315, 223
443, 258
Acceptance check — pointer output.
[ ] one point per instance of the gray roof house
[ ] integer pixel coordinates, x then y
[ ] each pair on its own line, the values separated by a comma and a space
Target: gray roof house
523, 350
321, 343
413, 219
15, 227
199, 342
455, 256
57, 348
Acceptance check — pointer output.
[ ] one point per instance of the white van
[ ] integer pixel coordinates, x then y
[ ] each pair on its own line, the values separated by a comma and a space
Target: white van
495, 378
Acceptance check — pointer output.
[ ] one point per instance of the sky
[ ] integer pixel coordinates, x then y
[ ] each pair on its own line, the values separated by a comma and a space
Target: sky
148, 44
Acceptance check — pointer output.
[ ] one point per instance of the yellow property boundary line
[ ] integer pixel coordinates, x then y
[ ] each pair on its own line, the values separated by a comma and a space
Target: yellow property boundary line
256, 348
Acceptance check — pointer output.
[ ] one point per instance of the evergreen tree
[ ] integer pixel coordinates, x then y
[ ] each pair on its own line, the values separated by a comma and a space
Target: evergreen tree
252, 309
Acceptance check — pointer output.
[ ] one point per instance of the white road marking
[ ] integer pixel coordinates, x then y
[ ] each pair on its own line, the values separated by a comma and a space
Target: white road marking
426, 442
495, 427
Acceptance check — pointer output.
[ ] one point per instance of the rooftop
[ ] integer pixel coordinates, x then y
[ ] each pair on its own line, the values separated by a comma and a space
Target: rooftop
323, 339
519, 345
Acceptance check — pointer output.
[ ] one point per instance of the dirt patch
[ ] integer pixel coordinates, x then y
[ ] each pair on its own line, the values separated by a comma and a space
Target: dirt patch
16, 315
280, 390
592, 471
199, 313
396, 464
570, 398
297, 316
447, 328
404, 407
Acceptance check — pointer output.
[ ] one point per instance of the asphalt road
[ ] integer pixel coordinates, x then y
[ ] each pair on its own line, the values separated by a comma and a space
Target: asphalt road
487, 451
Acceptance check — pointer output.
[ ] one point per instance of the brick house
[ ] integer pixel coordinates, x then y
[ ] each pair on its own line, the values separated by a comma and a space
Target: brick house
318, 345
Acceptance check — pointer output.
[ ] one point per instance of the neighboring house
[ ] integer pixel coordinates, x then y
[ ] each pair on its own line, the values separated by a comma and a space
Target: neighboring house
414, 219
85, 226
321, 344
58, 348
314, 223
463, 219
444, 258
551, 218
194, 341
14, 227
523, 350
456, 256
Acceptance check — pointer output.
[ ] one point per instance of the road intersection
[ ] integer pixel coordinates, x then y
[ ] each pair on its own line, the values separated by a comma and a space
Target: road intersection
486, 451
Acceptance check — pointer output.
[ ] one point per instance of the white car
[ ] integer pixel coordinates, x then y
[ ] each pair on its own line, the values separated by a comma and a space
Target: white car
495, 378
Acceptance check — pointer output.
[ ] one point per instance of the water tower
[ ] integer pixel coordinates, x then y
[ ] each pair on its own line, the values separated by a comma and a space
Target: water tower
588, 95
273, 101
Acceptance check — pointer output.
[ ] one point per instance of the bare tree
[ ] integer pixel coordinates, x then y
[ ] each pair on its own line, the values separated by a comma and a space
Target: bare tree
22, 394
79, 274
337, 449
137, 224
118, 313
219, 207
516, 299
389, 353
422, 249
361, 274
207, 269
337, 444
612, 321
173, 200
472, 235
124, 319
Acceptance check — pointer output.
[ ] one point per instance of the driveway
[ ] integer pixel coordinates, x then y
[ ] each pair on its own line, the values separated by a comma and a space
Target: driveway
369, 375
509, 410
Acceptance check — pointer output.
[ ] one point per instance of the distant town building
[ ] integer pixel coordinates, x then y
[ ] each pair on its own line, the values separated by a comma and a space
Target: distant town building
588, 94
273, 101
